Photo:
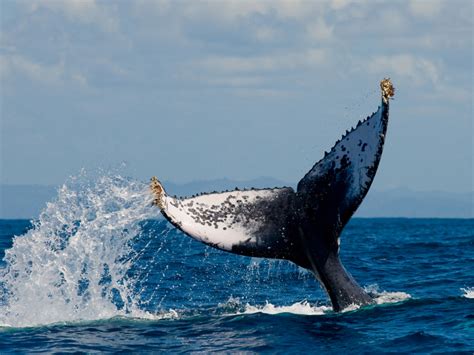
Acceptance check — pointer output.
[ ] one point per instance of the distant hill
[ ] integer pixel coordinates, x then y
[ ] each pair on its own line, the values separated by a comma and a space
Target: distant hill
26, 201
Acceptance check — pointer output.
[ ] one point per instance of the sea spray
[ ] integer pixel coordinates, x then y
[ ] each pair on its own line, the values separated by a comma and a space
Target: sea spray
72, 265
468, 292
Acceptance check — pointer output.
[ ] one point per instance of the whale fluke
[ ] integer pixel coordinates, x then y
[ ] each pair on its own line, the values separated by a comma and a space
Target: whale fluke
302, 226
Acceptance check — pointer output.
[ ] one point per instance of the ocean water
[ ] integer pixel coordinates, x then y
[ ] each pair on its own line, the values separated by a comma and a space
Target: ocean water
101, 270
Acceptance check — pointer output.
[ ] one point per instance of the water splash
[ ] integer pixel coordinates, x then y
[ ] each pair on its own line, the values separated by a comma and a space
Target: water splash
468, 292
72, 265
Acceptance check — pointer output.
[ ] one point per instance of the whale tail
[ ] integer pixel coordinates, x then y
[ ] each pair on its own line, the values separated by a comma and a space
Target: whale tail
302, 226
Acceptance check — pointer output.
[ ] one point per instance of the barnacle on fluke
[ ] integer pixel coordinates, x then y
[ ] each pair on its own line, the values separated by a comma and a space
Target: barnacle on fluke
388, 91
302, 226
158, 191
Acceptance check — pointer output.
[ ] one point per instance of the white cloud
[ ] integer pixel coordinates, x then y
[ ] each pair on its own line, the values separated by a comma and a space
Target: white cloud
309, 58
392, 20
218, 11
79, 79
340, 4
255, 76
425, 8
266, 33
277, 40
231, 14
319, 30
264, 93
297, 9
418, 70
82, 11
13, 64
451, 93
234, 9
236, 81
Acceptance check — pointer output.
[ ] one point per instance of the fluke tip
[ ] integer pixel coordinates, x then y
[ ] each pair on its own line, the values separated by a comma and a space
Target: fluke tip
158, 191
388, 91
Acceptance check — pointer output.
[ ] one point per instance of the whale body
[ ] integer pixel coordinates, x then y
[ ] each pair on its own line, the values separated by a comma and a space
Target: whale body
301, 226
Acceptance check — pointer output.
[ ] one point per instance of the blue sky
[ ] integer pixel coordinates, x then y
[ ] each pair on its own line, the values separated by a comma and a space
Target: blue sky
190, 90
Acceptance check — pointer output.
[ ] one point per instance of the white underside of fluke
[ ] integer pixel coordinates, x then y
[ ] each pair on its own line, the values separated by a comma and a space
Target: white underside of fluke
217, 218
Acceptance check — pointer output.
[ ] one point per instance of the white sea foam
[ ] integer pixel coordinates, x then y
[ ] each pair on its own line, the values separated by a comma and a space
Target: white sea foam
306, 308
384, 297
391, 297
468, 292
381, 297
72, 265
300, 308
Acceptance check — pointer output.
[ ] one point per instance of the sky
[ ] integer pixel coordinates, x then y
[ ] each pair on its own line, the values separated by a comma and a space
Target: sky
193, 90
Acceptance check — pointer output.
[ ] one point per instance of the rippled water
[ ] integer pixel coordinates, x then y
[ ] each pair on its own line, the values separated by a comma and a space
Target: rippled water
101, 270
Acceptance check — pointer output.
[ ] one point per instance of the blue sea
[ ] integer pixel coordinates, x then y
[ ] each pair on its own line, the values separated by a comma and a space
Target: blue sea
99, 270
